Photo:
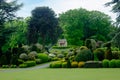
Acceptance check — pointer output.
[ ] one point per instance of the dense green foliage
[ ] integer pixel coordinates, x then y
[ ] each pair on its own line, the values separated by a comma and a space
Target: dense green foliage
84, 55
80, 24
44, 57
43, 26
105, 63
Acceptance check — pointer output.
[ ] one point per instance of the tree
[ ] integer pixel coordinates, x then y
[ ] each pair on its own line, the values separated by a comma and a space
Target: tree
80, 24
115, 8
43, 26
7, 12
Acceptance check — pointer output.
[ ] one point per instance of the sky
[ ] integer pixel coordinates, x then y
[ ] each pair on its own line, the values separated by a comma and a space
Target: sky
60, 6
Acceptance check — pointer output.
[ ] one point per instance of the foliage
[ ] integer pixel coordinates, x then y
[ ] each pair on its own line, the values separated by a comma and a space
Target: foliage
14, 59
32, 55
83, 47
74, 64
3, 60
112, 63
115, 54
23, 56
56, 47
7, 13
30, 63
13, 66
57, 64
5, 66
80, 24
115, 8
81, 64
43, 26
60, 55
105, 63
38, 61
84, 55
64, 65
23, 65
118, 63
99, 54
36, 47
93, 64
43, 57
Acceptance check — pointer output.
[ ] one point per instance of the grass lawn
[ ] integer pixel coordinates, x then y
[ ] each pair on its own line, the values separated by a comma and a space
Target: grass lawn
61, 74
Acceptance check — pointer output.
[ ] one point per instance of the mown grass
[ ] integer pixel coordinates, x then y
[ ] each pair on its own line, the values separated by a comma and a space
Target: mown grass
61, 74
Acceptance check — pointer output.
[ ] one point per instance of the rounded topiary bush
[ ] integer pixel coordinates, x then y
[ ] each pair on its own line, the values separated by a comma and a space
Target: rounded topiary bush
60, 55
112, 63
105, 63
23, 56
118, 63
84, 55
32, 55
99, 54
83, 47
74, 64
43, 57
81, 64
5, 66
115, 54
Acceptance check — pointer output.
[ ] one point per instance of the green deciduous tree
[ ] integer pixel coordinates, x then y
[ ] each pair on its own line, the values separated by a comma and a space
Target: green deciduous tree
43, 26
80, 24
7, 12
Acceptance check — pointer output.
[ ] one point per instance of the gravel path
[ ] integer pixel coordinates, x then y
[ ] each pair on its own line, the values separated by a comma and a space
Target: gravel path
31, 68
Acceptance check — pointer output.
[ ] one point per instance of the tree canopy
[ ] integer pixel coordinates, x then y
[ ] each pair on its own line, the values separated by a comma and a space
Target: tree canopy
80, 24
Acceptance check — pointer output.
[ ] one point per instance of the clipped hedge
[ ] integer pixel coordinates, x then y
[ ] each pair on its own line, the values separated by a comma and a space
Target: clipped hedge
93, 64
57, 47
112, 63
23, 65
30, 63
105, 63
64, 65
81, 64
57, 64
117, 63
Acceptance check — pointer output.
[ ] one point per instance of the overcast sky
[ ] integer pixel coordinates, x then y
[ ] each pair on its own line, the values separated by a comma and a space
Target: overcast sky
60, 6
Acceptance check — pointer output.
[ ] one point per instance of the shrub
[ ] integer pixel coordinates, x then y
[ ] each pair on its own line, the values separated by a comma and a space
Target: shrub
60, 55
83, 47
99, 54
43, 57
112, 63
84, 55
23, 56
118, 63
57, 64
81, 64
93, 64
13, 66
91, 44
5, 66
57, 47
52, 55
74, 64
38, 61
64, 65
22, 65
20, 61
115, 54
32, 55
105, 63
30, 63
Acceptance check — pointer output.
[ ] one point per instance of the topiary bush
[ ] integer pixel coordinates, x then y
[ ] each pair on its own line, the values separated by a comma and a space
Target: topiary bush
99, 54
32, 55
57, 64
118, 63
64, 65
83, 47
81, 64
84, 55
93, 64
60, 56
115, 54
112, 63
23, 56
44, 57
105, 63
30, 63
74, 64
